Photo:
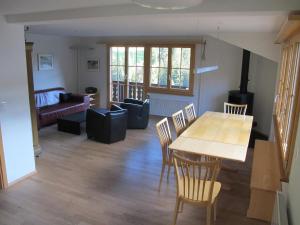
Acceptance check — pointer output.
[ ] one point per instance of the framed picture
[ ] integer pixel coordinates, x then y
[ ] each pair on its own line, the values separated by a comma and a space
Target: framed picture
45, 61
93, 64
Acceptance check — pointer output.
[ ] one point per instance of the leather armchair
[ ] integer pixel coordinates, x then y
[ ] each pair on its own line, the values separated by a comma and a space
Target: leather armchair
106, 127
138, 113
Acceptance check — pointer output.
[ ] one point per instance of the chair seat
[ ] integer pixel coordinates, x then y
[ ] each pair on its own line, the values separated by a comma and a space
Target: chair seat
195, 196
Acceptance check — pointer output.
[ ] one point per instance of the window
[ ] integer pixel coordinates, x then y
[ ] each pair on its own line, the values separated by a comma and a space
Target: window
171, 69
181, 68
136, 70
159, 67
287, 103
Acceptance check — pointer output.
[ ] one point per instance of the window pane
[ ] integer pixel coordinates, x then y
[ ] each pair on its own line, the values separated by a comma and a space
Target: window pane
121, 56
132, 56
186, 58
131, 74
185, 79
140, 74
140, 56
114, 73
154, 57
121, 73
163, 77
114, 56
176, 57
154, 76
163, 57
175, 82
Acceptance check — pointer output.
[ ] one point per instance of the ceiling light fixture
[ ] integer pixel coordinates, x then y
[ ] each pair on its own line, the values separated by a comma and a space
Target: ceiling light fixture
167, 4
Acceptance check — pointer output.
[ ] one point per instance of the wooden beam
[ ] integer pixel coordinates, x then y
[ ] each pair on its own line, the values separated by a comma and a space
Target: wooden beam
290, 28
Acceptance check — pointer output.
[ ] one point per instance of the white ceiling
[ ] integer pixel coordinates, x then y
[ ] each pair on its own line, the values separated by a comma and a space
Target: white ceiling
165, 24
123, 18
27, 6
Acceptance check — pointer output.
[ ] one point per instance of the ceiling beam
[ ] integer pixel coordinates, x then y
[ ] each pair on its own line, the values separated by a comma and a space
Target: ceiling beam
290, 27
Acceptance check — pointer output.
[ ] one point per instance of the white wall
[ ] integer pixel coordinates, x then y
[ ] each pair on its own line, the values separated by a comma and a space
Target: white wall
257, 42
64, 73
294, 184
214, 86
262, 75
15, 113
97, 79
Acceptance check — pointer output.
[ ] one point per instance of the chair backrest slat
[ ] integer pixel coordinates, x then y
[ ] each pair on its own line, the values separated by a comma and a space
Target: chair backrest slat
235, 109
195, 178
190, 113
165, 138
179, 122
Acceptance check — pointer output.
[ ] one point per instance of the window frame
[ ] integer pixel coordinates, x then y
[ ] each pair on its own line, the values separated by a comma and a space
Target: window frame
286, 119
147, 62
126, 80
169, 89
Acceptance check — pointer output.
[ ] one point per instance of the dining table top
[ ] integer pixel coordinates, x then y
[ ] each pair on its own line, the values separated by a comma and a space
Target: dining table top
217, 134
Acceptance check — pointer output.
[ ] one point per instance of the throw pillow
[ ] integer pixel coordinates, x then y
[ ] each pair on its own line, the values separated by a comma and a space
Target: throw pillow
65, 97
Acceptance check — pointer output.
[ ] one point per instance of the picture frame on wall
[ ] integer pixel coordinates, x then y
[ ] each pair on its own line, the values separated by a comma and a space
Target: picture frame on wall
45, 62
93, 65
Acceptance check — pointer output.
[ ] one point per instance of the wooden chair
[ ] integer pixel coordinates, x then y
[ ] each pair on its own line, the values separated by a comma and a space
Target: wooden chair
196, 183
165, 139
179, 122
235, 109
190, 113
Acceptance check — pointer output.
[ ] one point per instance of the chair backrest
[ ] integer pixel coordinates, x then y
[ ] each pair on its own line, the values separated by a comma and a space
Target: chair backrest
196, 177
165, 138
179, 122
190, 113
235, 109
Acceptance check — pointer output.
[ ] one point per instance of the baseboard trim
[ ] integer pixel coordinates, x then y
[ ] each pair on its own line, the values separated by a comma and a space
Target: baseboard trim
21, 179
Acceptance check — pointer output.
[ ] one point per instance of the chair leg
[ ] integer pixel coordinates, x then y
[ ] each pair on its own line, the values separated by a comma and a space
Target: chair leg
168, 175
176, 210
161, 176
181, 208
215, 209
208, 215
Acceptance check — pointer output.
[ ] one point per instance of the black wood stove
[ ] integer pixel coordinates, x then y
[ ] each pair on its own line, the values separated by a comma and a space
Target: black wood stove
242, 96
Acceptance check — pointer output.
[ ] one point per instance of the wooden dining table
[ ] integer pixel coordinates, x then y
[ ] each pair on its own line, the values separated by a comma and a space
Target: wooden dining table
216, 134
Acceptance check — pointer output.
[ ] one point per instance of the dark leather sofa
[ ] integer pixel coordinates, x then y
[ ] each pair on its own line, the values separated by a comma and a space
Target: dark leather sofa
50, 107
138, 113
108, 127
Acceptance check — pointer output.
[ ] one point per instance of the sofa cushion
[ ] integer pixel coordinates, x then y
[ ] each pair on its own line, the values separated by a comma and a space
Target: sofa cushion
47, 98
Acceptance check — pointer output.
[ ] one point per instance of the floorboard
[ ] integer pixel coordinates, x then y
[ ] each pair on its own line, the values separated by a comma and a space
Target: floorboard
82, 182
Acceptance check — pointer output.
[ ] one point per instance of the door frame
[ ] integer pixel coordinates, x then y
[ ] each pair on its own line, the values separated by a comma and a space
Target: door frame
126, 82
3, 175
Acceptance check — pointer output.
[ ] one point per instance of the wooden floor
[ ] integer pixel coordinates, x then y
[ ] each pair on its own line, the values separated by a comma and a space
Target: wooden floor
82, 182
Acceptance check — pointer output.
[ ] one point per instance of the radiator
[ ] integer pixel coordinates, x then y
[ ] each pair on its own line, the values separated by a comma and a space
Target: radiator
166, 107
280, 210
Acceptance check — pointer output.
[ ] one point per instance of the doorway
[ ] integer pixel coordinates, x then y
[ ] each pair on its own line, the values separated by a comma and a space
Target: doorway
126, 73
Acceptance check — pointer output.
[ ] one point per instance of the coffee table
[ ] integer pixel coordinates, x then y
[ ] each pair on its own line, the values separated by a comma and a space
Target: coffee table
72, 123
